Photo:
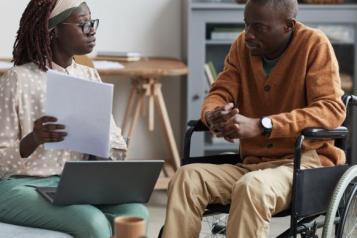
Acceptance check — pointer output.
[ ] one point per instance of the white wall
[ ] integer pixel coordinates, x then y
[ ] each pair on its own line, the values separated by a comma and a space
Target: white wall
152, 27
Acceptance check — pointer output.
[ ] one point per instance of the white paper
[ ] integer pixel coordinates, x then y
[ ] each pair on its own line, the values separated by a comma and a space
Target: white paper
6, 65
118, 53
103, 64
85, 108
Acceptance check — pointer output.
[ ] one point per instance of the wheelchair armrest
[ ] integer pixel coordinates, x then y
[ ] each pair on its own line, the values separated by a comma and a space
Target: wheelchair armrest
197, 125
319, 133
193, 126
316, 133
214, 159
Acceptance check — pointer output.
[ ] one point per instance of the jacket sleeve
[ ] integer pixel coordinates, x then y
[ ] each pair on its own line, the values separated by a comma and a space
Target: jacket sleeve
325, 108
225, 89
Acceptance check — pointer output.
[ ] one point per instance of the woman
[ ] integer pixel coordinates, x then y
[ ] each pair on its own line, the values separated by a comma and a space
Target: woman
51, 32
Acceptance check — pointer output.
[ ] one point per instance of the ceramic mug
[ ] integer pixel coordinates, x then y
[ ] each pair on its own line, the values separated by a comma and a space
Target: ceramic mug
129, 227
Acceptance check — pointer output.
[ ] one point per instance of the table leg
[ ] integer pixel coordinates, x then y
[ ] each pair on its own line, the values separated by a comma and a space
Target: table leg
129, 107
150, 92
151, 113
152, 89
168, 170
168, 129
137, 114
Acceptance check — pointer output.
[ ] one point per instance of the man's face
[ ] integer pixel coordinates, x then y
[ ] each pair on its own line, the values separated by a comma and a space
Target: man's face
265, 30
70, 35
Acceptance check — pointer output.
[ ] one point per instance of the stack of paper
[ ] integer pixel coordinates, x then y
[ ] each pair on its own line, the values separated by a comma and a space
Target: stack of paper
85, 108
5, 65
104, 64
119, 55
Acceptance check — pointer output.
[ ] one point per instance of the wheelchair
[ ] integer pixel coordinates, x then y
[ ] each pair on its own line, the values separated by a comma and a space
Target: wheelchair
329, 192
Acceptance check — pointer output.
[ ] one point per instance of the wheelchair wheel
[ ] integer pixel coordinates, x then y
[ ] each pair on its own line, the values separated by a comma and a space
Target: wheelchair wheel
348, 224
341, 217
214, 226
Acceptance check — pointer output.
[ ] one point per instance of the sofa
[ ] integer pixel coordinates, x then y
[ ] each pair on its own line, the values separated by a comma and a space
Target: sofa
14, 231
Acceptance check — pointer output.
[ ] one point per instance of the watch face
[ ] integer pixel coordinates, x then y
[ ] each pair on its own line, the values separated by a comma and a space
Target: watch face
266, 123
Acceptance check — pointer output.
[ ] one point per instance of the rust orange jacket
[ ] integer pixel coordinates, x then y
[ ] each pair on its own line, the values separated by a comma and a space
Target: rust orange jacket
303, 90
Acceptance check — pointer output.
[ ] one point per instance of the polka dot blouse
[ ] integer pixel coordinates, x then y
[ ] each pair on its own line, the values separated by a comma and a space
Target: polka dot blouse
22, 98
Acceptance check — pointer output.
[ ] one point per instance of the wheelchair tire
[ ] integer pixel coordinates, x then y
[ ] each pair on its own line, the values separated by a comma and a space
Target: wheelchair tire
342, 186
347, 227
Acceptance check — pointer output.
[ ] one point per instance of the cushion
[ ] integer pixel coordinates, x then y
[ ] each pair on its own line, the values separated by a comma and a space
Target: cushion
14, 231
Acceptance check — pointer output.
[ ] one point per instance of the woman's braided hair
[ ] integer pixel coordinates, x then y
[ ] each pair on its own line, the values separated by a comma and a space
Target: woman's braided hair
33, 43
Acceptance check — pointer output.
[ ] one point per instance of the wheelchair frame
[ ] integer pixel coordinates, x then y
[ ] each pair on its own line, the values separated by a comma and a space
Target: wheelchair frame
306, 205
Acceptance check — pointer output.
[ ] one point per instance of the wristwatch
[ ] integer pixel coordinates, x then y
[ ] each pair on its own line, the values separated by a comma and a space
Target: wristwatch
267, 125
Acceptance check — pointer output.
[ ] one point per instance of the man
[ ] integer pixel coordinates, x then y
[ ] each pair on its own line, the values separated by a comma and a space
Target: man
279, 77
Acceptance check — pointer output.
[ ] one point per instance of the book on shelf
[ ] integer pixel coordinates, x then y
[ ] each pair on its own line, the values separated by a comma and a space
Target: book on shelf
225, 33
104, 64
338, 33
5, 65
118, 56
210, 72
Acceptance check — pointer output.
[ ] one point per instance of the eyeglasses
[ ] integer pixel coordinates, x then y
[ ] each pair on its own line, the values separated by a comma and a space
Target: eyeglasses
86, 26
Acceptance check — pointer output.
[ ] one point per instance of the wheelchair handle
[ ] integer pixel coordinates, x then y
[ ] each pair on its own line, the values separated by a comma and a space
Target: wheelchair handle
349, 100
353, 100
197, 125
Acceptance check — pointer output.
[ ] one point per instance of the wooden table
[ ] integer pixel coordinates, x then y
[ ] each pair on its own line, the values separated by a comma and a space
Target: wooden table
145, 76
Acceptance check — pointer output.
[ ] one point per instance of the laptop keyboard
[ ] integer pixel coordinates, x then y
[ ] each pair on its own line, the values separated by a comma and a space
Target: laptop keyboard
51, 194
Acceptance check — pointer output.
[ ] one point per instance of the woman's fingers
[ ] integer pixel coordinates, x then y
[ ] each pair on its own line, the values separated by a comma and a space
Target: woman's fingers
49, 133
53, 127
44, 119
52, 136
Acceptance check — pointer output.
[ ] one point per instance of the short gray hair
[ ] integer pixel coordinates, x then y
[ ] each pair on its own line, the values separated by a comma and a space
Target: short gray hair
288, 8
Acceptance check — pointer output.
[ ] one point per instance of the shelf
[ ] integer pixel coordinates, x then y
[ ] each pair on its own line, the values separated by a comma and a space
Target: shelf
219, 42
341, 43
201, 5
228, 42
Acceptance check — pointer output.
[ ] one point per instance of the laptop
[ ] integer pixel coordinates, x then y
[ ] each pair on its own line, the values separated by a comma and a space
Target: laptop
104, 182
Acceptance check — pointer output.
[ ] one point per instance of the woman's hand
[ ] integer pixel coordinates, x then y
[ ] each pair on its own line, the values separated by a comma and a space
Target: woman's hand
118, 154
44, 131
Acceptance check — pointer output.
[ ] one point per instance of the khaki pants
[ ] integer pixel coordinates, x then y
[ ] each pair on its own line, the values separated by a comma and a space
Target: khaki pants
255, 192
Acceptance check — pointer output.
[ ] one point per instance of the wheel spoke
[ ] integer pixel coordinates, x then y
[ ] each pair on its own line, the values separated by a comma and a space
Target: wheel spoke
208, 224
